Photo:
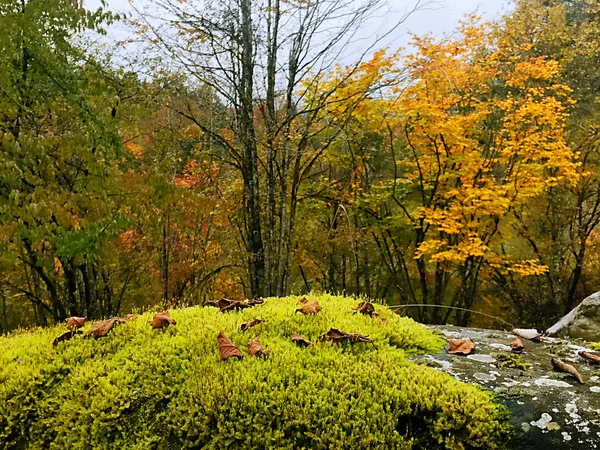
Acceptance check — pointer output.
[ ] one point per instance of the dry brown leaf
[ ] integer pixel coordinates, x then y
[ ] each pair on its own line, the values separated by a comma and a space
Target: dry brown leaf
528, 333
460, 346
73, 323
221, 303
559, 364
516, 346
65, 336
101, 329
300, 340
303, 300
235, 304
312, 307
162, 320
590, 356
367, 309
227, 349
338, 336
255, 301
255, 348
253, 322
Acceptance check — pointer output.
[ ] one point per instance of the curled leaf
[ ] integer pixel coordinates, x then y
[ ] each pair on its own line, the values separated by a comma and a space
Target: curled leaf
312, 307
235, 304
255, 301
221, 303
589, 356
65, 336
516, 346
529, 333
460, 346
562, 366
227, 349
300, 340
338, 336
303, 300
255, 348
367, 309
74, 323
162, 320
253, 322
101, 329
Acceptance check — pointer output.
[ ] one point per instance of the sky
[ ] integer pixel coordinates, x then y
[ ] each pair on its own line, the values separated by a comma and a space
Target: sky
440, 18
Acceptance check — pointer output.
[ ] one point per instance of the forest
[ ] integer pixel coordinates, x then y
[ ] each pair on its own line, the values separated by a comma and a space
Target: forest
235, 154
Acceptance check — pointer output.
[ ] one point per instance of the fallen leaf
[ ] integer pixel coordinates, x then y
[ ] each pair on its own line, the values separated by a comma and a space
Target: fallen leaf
255, 348
367, 309
559, 364
338, 336
227, 349
162, 320
529, 333
460, 346
516, 346
221, 303
235, 304
303, 300
101, 329
256, 301
65, 336
74, 323
590, 356
312, 307
300, 340
253, 322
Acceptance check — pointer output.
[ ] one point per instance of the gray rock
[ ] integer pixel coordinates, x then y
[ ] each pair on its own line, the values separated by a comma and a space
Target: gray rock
549, 410
582, 322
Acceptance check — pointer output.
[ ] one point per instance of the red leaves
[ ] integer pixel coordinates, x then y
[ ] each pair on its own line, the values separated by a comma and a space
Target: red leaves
562, 366
255, 348
101, 329
311, 307
590, 356
338, 336
302, 342
74, 323
461, 346
530, 333
516, 346
162, 320
253, 322
65, 336
227, 349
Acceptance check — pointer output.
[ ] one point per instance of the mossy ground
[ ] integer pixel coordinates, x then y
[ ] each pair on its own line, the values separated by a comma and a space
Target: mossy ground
142, 388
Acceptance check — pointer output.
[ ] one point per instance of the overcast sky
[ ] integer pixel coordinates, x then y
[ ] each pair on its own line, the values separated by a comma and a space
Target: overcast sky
439, 19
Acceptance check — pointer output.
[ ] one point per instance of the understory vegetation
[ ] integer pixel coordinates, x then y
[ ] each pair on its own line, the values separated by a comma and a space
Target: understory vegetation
142, 388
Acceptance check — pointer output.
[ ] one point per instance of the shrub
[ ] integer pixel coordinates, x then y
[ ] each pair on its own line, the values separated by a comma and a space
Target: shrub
139, 388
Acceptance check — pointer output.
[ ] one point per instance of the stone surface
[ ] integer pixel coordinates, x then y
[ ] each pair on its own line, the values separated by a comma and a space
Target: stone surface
582, 322
550, 410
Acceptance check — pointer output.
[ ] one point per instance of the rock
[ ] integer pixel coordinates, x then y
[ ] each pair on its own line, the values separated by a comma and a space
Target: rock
550, 410
582, 322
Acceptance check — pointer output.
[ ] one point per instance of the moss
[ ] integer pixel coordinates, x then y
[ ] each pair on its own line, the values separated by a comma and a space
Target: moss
594, 346
140, 388
510, 360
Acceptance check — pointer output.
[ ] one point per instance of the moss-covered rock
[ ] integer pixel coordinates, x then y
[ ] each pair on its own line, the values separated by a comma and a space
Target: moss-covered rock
143, 388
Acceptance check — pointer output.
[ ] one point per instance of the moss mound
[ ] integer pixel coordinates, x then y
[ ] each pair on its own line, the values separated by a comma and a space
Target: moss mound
139, 388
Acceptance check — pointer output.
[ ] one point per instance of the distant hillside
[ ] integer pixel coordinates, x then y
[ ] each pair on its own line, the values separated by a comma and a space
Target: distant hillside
142, 388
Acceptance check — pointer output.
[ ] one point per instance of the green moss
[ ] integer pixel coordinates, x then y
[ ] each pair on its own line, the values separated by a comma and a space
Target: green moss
510, 360
594, 346
140, 388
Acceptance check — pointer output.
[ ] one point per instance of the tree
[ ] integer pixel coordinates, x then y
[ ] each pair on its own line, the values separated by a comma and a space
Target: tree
255, 55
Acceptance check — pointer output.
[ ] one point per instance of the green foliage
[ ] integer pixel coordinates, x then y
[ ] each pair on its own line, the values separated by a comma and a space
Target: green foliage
143, 388
510, 360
